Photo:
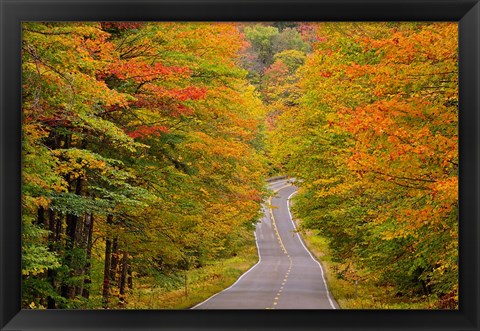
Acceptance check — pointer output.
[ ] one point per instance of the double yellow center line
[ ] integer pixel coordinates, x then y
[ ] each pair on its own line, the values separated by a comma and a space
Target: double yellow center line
282, 246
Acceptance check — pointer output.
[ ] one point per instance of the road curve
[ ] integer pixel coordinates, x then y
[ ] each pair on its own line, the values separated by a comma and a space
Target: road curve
286, 275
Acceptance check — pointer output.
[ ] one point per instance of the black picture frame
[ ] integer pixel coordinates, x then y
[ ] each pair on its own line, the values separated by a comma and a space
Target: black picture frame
13, 12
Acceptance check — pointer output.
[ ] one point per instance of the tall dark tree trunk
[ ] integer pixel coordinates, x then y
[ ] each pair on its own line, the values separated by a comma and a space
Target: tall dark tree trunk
52, 225
107, 266
68, 290
41, 216
130, 277
79, 265
87, 280
123, 280
73, 226
115, 261
58, 232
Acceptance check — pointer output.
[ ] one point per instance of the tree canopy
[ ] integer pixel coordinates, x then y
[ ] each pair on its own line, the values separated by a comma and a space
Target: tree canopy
145, 148
375, 141
139, 150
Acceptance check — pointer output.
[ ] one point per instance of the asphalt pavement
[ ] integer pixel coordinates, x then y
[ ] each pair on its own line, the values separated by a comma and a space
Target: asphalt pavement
286, 275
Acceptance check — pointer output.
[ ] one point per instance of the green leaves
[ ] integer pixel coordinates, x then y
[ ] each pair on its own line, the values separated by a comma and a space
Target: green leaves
138, 142
36, 258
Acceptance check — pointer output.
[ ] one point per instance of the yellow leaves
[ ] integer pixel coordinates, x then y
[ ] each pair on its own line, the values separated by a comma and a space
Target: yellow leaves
354, 70
33, 272
41, 202
375, 140
216, 146
338, 187
182, 194
387, 88
217, 41
446, 191
204, 191
77, 162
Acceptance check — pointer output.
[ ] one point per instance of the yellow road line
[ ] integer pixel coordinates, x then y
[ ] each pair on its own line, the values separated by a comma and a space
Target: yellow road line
273, 220
281, 244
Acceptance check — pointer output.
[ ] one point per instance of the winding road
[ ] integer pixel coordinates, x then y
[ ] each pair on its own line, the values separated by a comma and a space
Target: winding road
286, 275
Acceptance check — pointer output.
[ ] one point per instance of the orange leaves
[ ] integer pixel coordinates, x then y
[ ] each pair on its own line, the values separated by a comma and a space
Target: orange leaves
148, 131
326, 74
392, 90
177, 94
169, 101
276, 70
446, 190
375, 141
355, 70
189, 93
152, 123
216, 146
142, 72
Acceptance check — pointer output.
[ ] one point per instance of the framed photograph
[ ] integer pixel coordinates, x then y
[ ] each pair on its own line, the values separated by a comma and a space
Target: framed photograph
287, 165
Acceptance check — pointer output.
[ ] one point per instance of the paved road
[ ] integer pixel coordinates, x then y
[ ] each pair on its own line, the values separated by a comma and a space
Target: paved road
286, 276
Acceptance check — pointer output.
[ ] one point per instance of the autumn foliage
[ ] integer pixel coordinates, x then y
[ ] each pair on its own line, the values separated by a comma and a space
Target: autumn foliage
139, 156
145, 147
375, 141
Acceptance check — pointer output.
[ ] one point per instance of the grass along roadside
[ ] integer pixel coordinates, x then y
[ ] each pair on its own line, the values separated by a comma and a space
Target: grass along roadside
202, 283
350, 289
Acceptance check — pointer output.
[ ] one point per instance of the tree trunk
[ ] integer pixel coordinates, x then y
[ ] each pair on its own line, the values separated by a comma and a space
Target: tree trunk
130, 277
52, 224
87, 280
123, 280
115, 260
106, 269
74, 226
55, 228
68, 290
41, 216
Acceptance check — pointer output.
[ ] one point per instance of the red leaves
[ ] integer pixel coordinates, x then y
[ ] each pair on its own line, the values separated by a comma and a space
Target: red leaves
169, 100
178, 94
188, 93
326, 74
148, 131
141, 72
149, 93
58, 118
277, 68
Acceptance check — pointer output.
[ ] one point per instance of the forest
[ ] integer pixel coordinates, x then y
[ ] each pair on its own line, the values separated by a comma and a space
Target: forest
146, 146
